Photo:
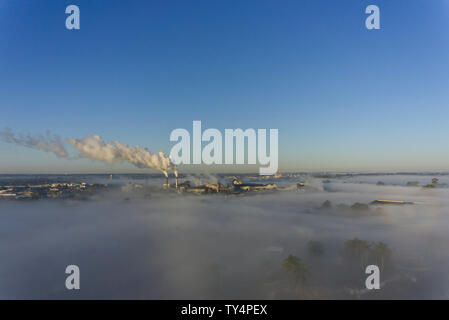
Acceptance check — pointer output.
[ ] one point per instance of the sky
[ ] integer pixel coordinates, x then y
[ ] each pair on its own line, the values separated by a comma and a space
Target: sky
342, 97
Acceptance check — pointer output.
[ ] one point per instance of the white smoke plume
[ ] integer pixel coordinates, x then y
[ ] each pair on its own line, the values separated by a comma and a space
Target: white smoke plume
47, 142
175, 171
95, 148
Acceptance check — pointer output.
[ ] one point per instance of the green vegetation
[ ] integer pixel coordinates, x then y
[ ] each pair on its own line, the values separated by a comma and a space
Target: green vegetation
360, 207
363, 251
342, 207
296, 269
435, 183
357, 249
316, 248
326, 205
381, 253
356, 207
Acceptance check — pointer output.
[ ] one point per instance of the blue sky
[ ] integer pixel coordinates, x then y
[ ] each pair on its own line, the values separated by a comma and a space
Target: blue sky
342, 97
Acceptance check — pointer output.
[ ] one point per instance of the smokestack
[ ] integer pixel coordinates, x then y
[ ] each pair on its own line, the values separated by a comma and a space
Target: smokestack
175, 171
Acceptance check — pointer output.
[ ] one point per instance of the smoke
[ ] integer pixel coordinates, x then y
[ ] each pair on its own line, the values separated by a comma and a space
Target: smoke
94, 148
47, 142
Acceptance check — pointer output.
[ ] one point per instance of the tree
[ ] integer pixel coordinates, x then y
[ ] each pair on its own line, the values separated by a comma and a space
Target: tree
381, 253
360, 206
326, 205
315, 248
357, 249
296, 268
374, 253
342, 207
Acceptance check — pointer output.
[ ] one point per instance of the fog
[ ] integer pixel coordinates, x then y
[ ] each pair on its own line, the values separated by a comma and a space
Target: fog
170, 246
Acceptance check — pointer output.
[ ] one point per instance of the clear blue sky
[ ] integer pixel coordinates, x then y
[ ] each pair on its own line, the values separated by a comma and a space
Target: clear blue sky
342, 97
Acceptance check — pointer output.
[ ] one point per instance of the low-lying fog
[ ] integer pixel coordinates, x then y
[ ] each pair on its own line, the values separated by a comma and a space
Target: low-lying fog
170, 246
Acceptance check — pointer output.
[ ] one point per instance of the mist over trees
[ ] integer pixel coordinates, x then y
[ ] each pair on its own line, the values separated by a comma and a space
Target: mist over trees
285, 245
